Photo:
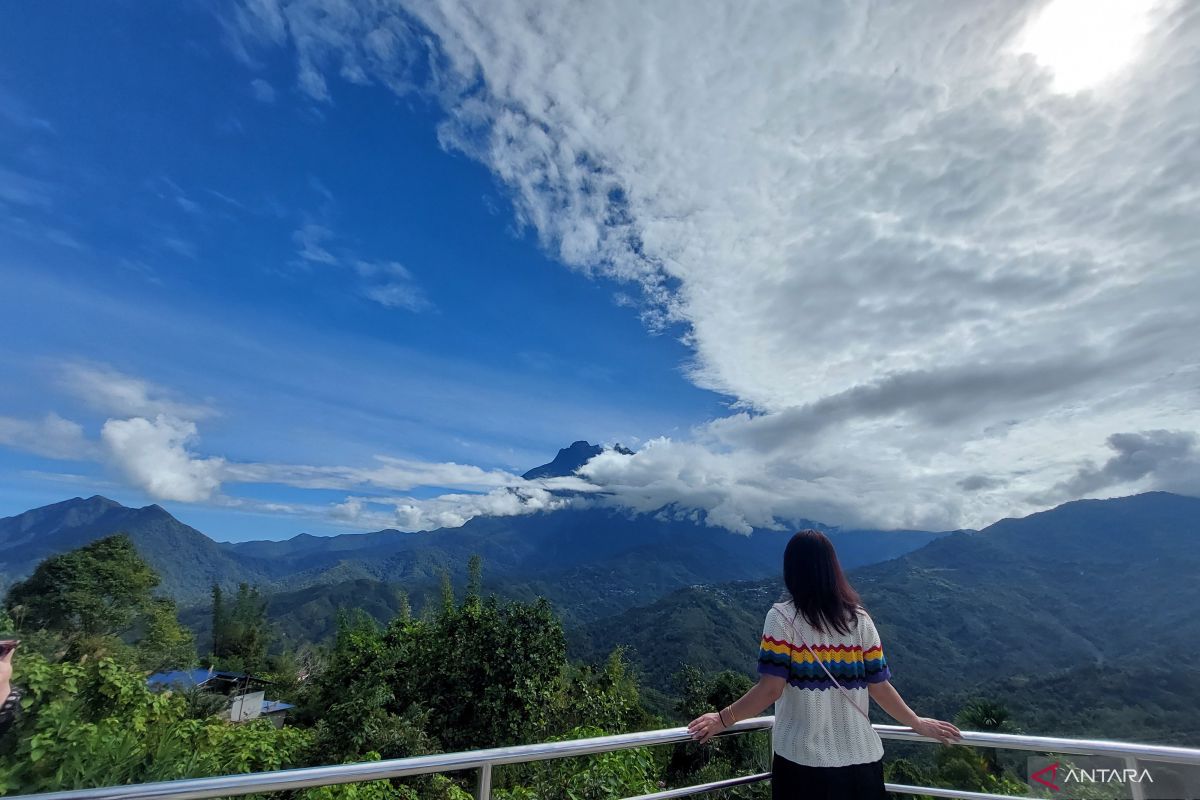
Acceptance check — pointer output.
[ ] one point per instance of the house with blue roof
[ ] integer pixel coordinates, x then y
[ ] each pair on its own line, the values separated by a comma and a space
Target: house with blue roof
246, 699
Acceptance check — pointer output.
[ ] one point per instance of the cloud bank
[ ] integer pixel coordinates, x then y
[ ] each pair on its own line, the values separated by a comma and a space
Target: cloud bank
941, 257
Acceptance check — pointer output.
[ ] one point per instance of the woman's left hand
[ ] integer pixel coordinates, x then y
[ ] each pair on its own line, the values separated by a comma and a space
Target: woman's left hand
706, 726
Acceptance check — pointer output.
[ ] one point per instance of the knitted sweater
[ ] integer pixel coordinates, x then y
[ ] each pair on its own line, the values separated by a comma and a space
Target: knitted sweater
814, 725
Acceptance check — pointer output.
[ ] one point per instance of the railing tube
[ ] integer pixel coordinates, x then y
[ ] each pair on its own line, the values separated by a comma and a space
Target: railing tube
483, 762
483, 789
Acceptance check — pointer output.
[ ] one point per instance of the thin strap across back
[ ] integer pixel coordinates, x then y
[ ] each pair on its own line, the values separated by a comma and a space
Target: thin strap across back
841, 688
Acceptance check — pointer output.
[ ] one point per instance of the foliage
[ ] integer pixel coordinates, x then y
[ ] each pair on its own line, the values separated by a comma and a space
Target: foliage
904, 771
723, 756
982, 714
353, 699
367, 790
95, 723
620, 773
488, 672
607, 696
240, 631
98, 590
165, 644
965, 768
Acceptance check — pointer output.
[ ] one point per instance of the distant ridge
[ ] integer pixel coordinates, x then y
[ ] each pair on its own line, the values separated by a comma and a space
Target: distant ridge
589, 561
188, 561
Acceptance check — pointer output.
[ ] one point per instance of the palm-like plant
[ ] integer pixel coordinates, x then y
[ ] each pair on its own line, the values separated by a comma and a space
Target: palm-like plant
982, 714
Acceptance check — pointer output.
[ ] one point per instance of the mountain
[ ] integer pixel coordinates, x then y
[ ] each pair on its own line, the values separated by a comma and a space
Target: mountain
594, 561
535, 546
590, 562
567, 461
1096, 591
187, 561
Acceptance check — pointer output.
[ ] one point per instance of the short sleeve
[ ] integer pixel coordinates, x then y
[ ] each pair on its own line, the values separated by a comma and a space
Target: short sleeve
775, 648
874, 662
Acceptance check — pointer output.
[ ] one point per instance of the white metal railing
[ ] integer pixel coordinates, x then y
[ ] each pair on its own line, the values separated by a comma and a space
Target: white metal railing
484, 760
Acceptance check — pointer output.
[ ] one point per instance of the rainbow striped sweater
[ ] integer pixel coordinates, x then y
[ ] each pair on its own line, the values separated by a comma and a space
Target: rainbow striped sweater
853, 665
813, 725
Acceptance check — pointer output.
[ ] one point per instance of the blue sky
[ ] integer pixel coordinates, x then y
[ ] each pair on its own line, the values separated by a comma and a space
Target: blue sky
323, 265
161, 241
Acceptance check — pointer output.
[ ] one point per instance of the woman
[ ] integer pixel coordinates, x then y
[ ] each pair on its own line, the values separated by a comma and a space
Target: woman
823, 743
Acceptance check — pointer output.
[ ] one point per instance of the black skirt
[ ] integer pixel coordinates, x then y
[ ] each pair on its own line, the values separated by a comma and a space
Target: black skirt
792, 781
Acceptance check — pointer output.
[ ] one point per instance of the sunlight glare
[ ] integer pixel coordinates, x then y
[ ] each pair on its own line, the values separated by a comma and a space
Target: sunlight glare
1086, 42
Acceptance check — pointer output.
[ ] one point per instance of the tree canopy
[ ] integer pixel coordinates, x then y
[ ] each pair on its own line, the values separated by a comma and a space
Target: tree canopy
96, 590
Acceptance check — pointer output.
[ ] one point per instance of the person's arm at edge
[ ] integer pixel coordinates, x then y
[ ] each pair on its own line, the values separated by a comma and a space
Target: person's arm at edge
6, 675
9, 698
890, 701
758, 699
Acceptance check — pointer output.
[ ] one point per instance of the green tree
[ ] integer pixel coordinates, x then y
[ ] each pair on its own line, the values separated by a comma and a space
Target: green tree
490, 671
92, 600
469, 674
165, 644
607, 697
98, 590
241, 632
218, 617
354, 702
475, 576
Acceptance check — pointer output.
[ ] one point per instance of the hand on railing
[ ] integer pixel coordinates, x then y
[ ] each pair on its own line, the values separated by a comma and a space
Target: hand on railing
706, 726
938, 729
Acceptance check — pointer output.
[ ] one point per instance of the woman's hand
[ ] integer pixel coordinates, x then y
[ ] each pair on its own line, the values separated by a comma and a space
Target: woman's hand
938, 729
706, 726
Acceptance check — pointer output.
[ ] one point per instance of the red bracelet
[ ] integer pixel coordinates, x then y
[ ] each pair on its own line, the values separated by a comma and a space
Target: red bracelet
721, 714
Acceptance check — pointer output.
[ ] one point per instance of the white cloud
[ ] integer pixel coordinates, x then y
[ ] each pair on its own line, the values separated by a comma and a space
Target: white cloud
886, 233
156, 453
396, 295
263, 91
448, 510
354, 40
311, 240
113, 392
391, 285
388, 283
51, 436
154, 456
389, 473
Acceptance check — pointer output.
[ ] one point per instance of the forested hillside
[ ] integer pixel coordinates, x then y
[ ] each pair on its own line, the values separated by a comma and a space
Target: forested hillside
1098, 593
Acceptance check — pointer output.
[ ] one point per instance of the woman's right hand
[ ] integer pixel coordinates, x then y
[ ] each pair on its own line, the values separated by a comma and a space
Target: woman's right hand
938, 729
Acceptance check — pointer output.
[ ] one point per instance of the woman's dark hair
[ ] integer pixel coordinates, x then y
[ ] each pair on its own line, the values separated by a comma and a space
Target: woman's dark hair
816, 583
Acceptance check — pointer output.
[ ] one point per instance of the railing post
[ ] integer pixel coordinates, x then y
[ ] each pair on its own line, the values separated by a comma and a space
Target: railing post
1135, 787
483, 789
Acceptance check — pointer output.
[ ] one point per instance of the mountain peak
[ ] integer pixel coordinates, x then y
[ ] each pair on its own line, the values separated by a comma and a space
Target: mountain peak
567, 461
570, 459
